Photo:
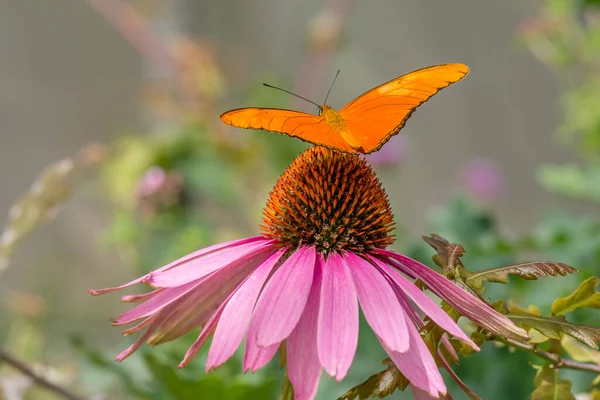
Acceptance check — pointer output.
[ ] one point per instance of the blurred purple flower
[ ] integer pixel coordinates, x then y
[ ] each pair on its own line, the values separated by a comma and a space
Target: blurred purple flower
482, 179
392, 153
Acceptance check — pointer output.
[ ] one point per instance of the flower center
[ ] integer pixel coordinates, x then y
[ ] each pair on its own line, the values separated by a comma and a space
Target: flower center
329, 199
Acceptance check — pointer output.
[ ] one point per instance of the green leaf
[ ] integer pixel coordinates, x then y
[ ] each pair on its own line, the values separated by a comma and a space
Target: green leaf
98, 360
579, 352
554, 326
548, 386
584, 296
528, 270
380, 385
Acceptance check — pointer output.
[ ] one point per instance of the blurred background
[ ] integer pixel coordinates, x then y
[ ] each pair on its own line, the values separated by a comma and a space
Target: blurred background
111, 107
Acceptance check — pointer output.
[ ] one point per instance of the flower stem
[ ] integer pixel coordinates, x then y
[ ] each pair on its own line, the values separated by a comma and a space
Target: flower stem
36, 378
554, 358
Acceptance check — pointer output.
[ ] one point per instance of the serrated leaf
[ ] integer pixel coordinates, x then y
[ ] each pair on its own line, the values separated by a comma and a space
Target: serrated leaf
554, 326
548, 386
528, 270
379, 385
584, 296
440, 245
454, 253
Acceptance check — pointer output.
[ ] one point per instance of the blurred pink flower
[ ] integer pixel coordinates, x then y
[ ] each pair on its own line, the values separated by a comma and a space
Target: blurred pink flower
322, 254
158, 189
482, 179
392, 153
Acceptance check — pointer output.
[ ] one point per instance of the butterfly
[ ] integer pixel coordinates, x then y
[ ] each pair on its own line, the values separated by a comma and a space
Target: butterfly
361, 126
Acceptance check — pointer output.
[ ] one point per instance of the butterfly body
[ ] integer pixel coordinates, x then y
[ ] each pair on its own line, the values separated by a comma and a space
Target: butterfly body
336, 122
361, 126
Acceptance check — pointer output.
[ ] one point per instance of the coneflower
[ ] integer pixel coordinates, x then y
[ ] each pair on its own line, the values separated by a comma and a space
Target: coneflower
322, 253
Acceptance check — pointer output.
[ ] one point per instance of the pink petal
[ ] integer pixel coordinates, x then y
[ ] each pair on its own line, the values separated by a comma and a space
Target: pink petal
182, 260
467, 304
204, 334
425, 303
136, 298
256, 356
417, 364
379, 303
201, 267
196, 307
283, 299
337, 333
450, 349
419, 394
236, 315
156, 303
157, 320
138, 327
304, 368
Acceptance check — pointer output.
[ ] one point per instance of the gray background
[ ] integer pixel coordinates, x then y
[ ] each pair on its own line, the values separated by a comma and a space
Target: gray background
67, 78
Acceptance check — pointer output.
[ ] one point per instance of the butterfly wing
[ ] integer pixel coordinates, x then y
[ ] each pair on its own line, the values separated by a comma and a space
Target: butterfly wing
307, 127
374, 117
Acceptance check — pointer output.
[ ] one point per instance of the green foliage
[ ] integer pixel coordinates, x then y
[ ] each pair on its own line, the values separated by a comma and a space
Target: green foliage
584, 296
549, 387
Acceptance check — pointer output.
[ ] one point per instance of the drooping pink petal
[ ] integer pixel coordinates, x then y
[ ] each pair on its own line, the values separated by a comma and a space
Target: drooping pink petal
337, 332
410, 309
204, 334
199, 305
450, 349
236, 315
419, 394
180, 261
425, 303
156, 303
156, 321
282, 301
304, 368
255, 356
201, 267
138, 327
379, 303
136, 298
467, 304
417, 363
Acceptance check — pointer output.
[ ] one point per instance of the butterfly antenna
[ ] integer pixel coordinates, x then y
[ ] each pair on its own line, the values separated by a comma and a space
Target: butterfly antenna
331, 87
293, 94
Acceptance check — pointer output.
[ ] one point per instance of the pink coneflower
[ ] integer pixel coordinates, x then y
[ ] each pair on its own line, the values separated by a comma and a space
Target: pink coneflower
482, 179
322, 253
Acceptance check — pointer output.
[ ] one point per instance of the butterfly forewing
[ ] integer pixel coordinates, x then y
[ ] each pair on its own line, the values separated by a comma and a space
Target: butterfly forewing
307, 127
380, 113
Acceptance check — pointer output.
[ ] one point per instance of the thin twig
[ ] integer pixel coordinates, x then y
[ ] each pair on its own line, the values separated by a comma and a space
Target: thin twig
554, 358
36, 378
137, 32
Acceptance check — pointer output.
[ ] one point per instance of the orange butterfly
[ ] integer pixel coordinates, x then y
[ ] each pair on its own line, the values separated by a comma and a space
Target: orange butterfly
361, 126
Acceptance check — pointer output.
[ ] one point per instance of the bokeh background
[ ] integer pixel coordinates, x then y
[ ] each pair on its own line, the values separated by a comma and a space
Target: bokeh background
129, 94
